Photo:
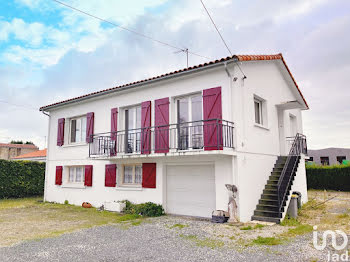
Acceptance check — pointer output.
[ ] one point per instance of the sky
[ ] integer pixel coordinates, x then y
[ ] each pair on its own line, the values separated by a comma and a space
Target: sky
49, 53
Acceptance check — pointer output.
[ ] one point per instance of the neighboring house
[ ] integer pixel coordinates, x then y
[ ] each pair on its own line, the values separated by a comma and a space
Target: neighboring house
329, 156
8, 151
39, 156
178, 138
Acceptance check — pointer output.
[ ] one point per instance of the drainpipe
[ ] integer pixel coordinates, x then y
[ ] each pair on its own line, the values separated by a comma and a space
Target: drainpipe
47, 156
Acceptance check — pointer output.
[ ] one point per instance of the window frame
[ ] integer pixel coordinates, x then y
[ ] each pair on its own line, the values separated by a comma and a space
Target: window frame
82, 130
74, 182
326, 158
340, 157
260, 113
133, 184
137, 144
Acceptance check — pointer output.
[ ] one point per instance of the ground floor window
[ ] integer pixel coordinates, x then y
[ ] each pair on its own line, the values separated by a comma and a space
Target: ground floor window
76, 174
132, 174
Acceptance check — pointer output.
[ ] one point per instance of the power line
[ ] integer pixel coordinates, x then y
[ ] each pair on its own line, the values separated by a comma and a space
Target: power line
223, 40
129, 30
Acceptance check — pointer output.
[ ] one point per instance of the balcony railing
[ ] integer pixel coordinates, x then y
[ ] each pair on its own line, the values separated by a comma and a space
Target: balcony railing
213, 134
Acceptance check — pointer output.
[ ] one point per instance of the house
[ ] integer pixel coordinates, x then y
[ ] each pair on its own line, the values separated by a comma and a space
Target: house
329, 156
178, 138
8, 151
39, 156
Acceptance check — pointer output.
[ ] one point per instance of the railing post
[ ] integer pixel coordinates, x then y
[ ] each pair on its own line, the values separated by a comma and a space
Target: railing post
217, 134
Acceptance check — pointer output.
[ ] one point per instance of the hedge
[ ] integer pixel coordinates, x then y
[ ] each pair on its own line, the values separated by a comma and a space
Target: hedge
21, 178
335, 177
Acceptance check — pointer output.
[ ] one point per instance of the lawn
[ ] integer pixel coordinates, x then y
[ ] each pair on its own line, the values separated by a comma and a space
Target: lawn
30, 218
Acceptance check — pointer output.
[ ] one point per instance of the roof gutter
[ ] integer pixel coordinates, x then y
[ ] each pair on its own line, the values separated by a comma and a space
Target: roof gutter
112, 90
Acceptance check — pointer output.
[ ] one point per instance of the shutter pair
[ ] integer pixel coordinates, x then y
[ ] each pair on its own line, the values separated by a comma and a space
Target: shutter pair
148, 175
88, 175
89, 129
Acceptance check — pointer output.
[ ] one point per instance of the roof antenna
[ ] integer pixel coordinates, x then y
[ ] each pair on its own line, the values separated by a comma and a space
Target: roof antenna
185, 50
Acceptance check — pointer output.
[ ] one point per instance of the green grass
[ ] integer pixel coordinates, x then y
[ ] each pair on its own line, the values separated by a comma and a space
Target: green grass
19, 202
299, 230
246, 228
179, 226
268, 241
290, 222
206, 242
342, 216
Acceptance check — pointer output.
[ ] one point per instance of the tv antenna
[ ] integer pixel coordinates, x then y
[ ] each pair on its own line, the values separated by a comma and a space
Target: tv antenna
185, 50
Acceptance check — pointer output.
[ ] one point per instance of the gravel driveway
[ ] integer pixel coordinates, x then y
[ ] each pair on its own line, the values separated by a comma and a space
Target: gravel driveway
159, 239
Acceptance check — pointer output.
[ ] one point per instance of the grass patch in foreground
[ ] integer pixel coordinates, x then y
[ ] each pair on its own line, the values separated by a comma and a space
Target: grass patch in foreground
206, 242
297, 231
179, 226
268, 241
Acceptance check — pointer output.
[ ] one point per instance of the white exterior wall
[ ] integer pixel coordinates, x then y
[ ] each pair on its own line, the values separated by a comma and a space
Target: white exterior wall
248, 166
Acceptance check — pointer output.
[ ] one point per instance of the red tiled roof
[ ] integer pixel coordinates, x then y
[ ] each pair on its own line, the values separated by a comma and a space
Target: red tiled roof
39, 153
236, 57
19, 145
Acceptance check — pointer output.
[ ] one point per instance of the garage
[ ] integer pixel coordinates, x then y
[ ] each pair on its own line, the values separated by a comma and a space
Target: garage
191, 190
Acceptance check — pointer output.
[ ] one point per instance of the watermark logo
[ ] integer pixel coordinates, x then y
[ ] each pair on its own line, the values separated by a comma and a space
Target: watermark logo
333, 234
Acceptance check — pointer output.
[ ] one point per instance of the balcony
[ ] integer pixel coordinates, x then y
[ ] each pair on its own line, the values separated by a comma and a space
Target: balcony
204, 135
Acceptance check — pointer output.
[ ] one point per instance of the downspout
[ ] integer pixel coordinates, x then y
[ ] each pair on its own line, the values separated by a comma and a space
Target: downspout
47, 156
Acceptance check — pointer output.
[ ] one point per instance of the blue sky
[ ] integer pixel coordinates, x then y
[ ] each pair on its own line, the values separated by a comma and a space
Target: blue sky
49, 53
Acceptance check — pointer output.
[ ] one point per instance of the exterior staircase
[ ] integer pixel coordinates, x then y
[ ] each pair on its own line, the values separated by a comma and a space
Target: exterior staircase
274, 199
268, 208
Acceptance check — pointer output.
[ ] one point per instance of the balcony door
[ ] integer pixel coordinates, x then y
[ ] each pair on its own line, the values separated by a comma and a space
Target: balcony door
190, 125
133, 129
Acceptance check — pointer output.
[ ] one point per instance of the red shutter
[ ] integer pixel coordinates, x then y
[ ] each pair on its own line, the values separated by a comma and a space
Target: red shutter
58, 175
212, 111
114, 129
88, 175
89, 127
60, 132
146, 127
111, 175
149, 175
162, 125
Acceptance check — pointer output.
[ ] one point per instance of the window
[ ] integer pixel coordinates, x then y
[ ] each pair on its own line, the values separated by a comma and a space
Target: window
78, 129
133, 129
76, 174
324, 160
340, 159
311, 158
132, 174
258, 111
189, 118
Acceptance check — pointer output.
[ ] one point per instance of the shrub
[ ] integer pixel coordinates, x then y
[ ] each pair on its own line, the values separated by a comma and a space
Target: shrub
147, 209
21, 178
335, 177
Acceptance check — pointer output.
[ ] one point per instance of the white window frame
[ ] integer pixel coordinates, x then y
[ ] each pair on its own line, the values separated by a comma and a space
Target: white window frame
133, 183
82, 130
189, 97
260, 103
262, 112
74, 168
134, 124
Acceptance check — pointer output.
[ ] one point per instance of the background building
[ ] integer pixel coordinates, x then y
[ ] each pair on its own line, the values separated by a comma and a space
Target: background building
329, 156
39, 156
9, 151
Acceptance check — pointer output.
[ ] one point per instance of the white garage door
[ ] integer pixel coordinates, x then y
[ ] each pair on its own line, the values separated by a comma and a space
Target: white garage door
191, 190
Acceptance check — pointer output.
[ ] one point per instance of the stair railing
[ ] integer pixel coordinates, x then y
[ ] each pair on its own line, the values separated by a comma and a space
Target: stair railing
298, 147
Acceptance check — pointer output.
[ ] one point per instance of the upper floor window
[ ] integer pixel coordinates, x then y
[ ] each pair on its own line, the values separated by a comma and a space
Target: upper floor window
132, 174
189, 118
77, 129
76, 174
133, 129
258, 111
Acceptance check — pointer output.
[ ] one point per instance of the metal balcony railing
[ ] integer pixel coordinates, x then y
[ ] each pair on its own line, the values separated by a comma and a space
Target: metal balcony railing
213, 134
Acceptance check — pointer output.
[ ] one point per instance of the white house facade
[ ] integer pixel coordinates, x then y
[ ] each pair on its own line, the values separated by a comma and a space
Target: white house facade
177, 139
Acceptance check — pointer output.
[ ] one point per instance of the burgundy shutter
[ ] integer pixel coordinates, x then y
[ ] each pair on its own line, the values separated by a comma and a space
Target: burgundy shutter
212, 111
60, 132
111, 175
162, 125
146, 127
88, 175
114, 129
58, 175
89, 127
149, 175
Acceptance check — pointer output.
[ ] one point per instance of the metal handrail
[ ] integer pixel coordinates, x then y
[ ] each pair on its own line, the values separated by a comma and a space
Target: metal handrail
298, 147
